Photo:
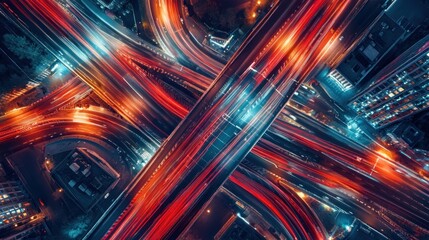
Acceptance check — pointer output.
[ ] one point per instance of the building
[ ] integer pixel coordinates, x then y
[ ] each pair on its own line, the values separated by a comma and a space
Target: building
85, 177
13, 202
381, 38
18, 217
408, 132
398, 90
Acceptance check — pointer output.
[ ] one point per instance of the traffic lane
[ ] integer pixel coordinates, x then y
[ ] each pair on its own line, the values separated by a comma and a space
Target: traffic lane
367, 188
331, 197
273, 102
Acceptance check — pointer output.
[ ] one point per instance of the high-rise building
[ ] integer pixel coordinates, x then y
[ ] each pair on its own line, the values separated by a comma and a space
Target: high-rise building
13, 202
19, 219
381, 38
398, 90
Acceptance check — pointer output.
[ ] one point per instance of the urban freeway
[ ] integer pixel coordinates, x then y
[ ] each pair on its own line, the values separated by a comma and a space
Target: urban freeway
191, 122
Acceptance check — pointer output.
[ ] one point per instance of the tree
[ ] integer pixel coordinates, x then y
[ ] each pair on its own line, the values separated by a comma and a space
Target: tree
10, 77
77, 227
39, 59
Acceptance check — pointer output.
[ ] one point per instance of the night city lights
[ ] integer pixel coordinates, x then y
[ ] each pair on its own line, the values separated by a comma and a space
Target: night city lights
214, 119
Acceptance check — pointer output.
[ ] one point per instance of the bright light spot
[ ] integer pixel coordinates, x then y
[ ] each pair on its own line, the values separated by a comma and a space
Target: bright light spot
326, 207
80, 117
254, 15
59, 71
146, 155
99, 42
287, 43
348, 228
15, 111
384, 153
242, 218
55, 67
208, 211
301, 194
352, 125
259, 2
